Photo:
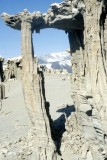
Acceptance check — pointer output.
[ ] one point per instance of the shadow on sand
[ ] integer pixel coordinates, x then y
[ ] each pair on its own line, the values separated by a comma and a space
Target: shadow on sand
59, 124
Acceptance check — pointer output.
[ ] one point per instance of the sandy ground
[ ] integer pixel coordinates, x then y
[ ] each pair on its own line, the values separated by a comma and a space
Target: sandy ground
14, 119
58, 93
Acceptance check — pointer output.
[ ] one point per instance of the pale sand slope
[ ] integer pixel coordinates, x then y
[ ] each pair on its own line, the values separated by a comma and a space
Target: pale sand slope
58, 93
14, 122
14, 119
15, 125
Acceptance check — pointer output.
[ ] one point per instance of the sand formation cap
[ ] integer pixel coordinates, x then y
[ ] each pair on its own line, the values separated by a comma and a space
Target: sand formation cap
66, 16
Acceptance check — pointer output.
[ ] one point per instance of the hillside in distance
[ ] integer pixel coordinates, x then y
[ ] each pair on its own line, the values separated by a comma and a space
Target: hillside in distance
60, 61
54, 61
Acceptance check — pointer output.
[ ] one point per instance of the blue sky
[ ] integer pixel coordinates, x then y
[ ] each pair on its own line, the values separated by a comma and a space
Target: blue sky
48, 41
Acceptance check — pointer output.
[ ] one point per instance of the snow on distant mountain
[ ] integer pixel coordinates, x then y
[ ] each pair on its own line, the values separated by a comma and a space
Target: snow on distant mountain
60, 61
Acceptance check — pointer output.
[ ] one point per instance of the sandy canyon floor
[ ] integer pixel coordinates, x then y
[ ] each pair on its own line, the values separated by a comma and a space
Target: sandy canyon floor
15, 124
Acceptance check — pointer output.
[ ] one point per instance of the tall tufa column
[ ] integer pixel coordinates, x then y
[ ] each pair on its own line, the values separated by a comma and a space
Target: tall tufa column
27, 46
2, 87
35, 100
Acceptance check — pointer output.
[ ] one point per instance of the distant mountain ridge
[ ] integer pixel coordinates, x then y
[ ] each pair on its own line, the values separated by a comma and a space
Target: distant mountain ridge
53, 61
60, 61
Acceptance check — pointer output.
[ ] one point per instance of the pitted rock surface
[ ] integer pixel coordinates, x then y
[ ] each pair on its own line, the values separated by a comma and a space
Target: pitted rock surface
85, 21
